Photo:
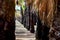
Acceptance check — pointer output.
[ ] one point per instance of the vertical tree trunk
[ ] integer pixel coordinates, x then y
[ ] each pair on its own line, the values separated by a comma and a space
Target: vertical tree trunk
10, 16
7, 8
46, 7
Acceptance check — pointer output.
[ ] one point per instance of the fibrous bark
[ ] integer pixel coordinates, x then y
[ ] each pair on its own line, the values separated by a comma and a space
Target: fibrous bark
7, 14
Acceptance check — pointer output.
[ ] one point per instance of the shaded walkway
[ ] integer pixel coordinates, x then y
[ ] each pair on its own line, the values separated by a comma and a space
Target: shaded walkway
22, 33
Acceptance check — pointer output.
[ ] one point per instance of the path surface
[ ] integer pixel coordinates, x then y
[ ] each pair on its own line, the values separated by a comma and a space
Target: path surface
22, 33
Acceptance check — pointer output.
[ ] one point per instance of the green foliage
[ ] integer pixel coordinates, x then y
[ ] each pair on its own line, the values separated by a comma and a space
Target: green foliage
22, 4
23, 7
21, 1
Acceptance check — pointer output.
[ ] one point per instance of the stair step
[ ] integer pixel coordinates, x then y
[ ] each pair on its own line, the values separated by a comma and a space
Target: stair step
25, 38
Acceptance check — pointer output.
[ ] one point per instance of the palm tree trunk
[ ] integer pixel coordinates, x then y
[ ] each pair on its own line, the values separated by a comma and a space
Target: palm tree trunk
8, 10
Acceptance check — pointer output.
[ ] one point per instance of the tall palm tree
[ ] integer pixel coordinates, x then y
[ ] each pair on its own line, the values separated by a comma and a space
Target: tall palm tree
8, 8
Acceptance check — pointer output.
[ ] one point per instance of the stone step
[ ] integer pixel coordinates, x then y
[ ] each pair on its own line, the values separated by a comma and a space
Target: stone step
24, 35
25, 38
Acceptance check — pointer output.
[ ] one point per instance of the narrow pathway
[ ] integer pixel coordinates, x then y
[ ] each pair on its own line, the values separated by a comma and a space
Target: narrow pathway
22, 33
